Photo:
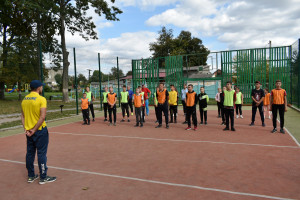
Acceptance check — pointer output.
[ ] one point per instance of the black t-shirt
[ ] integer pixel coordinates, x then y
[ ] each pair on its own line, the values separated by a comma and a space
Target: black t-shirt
257, 95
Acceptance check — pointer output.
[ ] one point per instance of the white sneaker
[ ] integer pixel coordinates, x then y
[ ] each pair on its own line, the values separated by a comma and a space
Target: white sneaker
269, 117
241, 116
237, 116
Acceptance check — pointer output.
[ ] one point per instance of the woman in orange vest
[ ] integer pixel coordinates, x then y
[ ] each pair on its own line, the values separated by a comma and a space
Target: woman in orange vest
162, 97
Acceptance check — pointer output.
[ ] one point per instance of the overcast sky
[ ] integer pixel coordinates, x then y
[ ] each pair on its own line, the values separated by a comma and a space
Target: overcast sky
221, 24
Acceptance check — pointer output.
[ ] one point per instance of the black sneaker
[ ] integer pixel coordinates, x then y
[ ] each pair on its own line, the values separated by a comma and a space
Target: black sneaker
219, 116
185, 122
141, 125
263, 124
252, 124
93, 119
48, 179
201, 123
167, 126
171, 121
282, 131
137, 125
156, 121
205, 123
159, 126
226, 129
274, 130
232, 129
32, 179
175, 122
105, 120
123, 120
88, 123
84, 123
128, 120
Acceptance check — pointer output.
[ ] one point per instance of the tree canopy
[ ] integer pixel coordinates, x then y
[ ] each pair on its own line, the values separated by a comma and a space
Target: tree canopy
183, 44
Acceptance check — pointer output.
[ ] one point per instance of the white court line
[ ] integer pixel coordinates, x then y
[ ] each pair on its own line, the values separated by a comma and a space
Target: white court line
290, 134
174, 140
156, 182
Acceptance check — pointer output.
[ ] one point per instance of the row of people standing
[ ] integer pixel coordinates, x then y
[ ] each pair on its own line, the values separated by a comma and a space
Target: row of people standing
262, 100
227, 99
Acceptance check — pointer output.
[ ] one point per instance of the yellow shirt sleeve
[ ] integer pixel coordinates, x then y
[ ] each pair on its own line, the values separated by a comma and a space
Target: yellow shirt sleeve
43, 102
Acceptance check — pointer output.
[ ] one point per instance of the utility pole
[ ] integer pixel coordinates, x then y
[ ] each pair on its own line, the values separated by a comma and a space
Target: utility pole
89, 73
270, 43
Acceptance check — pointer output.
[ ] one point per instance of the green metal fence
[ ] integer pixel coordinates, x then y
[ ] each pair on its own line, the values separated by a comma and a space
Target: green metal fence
242, 67
174, 72
146, 71
295, 74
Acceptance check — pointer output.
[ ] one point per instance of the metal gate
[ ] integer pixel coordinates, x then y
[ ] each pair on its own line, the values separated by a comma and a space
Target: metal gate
145, 71
174, 72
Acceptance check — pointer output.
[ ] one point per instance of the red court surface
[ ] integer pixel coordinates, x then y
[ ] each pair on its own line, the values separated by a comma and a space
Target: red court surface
125, 162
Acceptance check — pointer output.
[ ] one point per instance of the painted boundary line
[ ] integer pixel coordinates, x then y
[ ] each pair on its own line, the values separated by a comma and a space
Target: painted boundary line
175, 140
156, 182
290, 134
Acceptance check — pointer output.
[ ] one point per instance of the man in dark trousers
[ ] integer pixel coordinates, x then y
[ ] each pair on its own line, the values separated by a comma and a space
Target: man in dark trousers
130, 92
33, 117
258, 96
278, 103
183, 96
191, 102
162, 97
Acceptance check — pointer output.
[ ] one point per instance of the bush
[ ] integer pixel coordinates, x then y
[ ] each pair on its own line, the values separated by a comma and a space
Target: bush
47, 88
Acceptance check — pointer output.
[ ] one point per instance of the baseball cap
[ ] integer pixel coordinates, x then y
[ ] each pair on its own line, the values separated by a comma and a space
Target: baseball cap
36, 83
257, 82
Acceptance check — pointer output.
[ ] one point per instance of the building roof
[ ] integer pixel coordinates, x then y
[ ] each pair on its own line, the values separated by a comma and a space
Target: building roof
161, 75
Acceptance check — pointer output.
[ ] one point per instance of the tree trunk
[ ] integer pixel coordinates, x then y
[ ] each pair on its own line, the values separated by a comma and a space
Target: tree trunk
65, 76
39, 33
4, 59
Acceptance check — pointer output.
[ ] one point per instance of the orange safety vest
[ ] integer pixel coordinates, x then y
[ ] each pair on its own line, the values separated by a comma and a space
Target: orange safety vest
161, 96
137, 99
84, 104
278, 96
190, 99
111, 97
267, 99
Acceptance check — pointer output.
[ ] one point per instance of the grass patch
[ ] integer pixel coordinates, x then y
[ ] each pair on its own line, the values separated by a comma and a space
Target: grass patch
14, 106
50, 116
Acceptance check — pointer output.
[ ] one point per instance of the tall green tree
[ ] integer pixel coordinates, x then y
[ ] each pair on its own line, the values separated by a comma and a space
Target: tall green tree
23, 24
73, 17
183, 44
114, 73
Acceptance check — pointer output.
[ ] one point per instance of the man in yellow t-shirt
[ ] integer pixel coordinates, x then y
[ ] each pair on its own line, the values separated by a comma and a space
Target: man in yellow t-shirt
173, 98
33, 117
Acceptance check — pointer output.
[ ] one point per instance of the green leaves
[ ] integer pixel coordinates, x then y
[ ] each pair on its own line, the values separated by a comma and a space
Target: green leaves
183, 44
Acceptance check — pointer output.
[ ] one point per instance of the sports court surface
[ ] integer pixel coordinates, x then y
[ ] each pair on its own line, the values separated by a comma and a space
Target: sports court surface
124, 162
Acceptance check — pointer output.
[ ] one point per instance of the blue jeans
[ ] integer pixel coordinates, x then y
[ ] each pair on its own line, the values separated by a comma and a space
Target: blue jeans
147, 106
37, 142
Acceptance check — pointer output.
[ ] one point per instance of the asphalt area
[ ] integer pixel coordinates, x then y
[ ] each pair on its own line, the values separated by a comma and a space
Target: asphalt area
127, 162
